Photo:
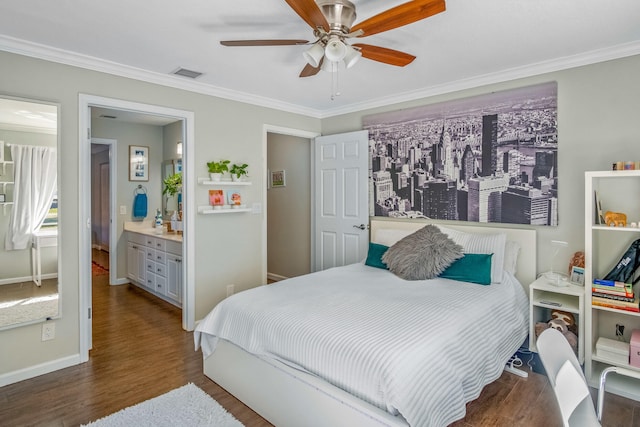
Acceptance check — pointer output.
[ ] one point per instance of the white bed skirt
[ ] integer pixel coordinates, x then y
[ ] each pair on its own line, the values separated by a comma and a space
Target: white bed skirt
288, 397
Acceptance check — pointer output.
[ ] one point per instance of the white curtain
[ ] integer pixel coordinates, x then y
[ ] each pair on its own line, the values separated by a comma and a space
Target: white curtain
35, 180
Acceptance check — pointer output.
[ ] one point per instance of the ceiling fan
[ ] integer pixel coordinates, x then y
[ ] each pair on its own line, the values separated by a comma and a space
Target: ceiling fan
332, 22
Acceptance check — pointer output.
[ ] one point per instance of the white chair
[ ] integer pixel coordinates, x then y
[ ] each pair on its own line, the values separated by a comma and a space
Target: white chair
568, 381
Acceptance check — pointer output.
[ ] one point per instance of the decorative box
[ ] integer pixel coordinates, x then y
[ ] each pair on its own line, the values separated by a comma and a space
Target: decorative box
612, 350
634, 348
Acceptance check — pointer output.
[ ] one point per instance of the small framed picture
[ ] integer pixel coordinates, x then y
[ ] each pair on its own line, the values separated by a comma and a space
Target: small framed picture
216, 198
577, 275
278, 179
138, 163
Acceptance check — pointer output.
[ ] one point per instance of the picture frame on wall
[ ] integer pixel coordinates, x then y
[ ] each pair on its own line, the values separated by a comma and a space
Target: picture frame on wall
138, 163
278, 179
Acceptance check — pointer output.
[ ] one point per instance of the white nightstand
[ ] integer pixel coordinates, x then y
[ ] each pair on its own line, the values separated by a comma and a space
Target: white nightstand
544, 297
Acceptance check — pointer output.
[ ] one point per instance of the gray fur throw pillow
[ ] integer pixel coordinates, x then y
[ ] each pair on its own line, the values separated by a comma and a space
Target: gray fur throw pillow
422, 255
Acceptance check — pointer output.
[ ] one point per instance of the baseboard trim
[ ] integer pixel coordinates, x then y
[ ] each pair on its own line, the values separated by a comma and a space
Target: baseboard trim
26, 279
275, 277
37, 370
121, 281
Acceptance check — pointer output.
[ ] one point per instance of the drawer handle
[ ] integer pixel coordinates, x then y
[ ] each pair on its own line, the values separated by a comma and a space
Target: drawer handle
159, 269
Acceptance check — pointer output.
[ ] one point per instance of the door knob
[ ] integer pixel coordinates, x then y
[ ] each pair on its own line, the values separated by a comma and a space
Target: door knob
361, 226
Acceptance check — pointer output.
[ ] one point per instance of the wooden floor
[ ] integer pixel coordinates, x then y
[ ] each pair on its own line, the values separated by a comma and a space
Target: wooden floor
140, 351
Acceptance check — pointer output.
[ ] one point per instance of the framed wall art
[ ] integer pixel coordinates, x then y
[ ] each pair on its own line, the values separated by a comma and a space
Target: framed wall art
278, 179
138, 163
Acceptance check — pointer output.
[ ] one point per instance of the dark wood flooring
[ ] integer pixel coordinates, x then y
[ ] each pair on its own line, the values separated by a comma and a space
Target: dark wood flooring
140, 351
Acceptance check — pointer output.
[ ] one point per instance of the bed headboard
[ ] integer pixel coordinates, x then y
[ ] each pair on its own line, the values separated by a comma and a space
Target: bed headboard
526, 238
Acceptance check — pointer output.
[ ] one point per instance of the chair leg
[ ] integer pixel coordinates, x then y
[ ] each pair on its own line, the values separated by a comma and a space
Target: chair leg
603, 380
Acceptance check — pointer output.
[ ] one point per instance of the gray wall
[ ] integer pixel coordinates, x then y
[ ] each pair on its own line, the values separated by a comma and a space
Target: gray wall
289, 207
598, 108
223, 129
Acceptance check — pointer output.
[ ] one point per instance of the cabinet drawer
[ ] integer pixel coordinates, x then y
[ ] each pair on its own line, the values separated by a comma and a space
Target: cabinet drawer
150, 266
159, 244
161, 285
174, 247
161, 257
161, 270
149, 241
150, 281
150, 254
136, 238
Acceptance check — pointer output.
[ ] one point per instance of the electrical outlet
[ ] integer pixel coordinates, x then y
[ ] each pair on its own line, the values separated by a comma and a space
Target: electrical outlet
230, 290
48, 331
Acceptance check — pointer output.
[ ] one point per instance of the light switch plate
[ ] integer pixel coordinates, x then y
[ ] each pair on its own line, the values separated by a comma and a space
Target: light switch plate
123, 210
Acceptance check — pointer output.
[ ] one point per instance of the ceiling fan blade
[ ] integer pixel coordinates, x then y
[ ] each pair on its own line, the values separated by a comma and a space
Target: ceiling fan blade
382, 54
309, 70
399, 16
263, 42
309, 11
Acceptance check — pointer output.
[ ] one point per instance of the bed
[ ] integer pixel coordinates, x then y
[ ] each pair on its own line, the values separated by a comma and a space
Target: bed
418, 370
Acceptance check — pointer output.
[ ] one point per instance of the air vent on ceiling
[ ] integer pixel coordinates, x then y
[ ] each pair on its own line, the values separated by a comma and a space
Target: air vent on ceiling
187, 73
106, 116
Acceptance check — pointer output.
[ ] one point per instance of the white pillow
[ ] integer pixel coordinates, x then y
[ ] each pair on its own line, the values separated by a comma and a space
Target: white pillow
511, 251
389, 236
477, 243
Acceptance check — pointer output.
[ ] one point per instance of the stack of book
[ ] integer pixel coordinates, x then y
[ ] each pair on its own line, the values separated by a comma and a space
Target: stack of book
619, 295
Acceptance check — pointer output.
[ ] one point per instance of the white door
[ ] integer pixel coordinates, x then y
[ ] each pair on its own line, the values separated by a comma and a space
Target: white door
341, 212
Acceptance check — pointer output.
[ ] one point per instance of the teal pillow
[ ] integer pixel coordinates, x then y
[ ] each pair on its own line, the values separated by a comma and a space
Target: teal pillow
473, 268
374, 257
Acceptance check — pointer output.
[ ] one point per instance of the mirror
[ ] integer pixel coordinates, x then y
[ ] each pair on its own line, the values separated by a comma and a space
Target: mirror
28, 236
170, 202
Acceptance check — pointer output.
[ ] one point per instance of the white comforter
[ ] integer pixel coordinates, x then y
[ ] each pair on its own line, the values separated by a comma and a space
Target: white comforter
418, 348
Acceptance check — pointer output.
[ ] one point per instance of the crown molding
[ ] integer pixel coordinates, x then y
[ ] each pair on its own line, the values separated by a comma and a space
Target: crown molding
61, 56
530, 70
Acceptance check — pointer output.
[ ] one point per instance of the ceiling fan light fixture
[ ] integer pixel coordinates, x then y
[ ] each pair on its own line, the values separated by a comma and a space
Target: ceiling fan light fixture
335, 50
329, 66
314, 55
352, 56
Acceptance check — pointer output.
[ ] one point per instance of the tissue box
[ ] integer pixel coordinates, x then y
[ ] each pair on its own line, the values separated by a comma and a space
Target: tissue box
615, 351
634, 348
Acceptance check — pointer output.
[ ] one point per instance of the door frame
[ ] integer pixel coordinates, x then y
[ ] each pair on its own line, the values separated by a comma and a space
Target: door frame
113, 167
85, 102
311, 135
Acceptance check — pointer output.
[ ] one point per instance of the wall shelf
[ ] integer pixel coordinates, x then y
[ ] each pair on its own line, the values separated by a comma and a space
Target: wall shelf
206, 210
222, 183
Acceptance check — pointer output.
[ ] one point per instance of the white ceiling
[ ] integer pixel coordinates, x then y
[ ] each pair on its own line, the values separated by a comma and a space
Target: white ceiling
471, 43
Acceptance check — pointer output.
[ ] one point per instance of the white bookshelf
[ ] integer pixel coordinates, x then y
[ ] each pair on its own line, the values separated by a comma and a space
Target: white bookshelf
604, 246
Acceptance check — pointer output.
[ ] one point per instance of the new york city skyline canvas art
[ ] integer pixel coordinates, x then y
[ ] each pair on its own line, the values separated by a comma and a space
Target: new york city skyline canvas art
489, 158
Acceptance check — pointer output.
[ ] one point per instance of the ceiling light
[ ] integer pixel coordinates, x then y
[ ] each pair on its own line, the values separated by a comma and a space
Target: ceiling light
314, 54
352, 56
335, 50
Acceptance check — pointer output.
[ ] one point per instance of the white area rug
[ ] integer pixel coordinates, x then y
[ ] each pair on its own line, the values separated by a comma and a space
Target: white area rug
185, 406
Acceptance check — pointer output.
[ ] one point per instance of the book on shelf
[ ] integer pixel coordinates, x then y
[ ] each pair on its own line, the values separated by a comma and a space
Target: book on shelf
607, 291
613, 283
615, 297
599, 217
621, 305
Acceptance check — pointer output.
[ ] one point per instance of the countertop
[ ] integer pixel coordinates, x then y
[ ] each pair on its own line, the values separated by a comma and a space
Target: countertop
146, 228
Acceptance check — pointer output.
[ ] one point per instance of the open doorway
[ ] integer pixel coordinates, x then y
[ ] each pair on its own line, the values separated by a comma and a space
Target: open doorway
102, 207
88, 104
288, 207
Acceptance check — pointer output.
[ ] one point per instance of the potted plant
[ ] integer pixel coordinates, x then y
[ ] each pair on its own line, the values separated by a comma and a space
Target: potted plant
216, 169
172, 184
238, 171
